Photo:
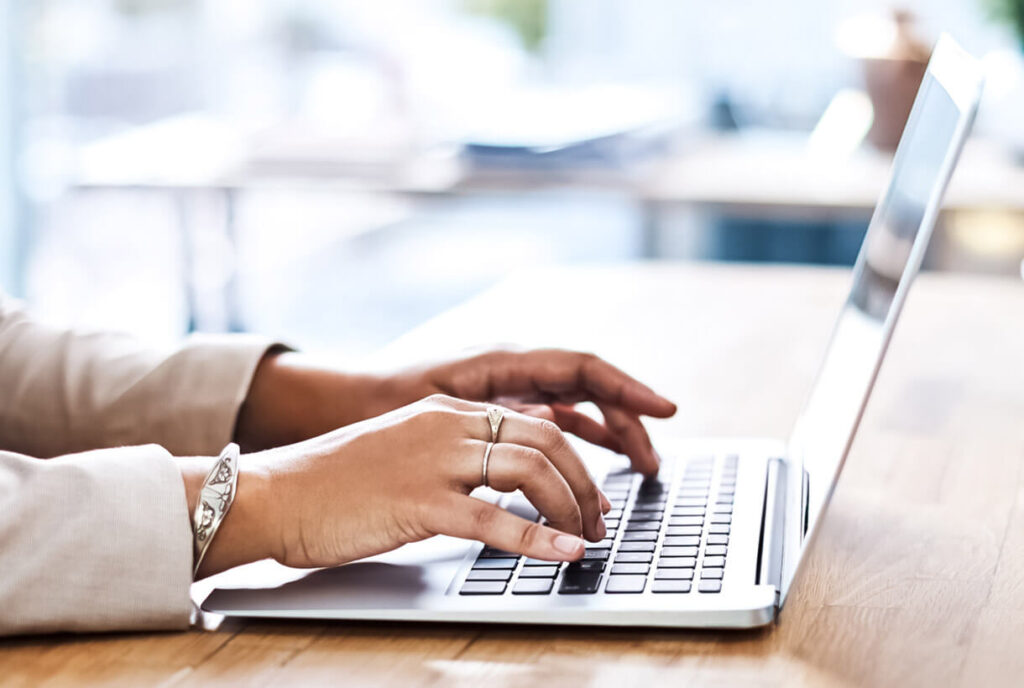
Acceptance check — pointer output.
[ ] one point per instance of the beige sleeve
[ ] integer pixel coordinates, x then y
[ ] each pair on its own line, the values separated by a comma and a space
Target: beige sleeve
94, 541
63, 391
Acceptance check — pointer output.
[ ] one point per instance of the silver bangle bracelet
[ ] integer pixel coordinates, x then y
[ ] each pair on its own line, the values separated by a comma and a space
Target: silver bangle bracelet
215, 499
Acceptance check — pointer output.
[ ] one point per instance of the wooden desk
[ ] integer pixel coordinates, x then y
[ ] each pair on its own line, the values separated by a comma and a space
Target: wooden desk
917, 579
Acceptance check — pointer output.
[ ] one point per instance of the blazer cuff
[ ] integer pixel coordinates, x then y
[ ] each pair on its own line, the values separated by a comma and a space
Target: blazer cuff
94, 542
212, 377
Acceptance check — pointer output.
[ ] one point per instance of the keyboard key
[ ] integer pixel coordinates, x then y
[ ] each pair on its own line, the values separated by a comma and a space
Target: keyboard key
640, 547
720, 518
673, 574
690, 501
717, 539
611, 524
533, 586
727, 491
714, 562
586, 565
722, 509
718, 529
492, 575
643, 517
620, 569
482, 588
688, 511
682, 541
603, 544
492, 553
677, 562
633, 557
715, 550
579, 582
710, 586
495, 564
597, 554
670, 586
540, 562
686, 521
614, 514
626, 584
678, 551
647, 509
639, 537
683, 530
714, 574
636, 527
540, 572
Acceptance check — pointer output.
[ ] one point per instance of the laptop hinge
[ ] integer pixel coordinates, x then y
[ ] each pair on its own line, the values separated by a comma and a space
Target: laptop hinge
773, 517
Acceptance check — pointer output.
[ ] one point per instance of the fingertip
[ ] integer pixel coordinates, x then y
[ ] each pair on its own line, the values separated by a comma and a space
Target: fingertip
567, 547
649, 465
606, 505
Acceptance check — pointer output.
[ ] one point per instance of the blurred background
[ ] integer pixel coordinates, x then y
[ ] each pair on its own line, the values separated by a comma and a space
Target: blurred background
335, 172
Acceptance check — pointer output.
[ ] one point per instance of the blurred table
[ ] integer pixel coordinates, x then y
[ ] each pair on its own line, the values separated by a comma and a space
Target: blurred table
762, 175
914, 581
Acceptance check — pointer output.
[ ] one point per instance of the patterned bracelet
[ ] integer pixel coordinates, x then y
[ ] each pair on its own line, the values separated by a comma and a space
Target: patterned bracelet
215, 499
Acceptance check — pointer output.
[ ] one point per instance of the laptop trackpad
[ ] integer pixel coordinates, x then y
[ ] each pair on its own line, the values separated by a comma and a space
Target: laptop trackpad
406, 577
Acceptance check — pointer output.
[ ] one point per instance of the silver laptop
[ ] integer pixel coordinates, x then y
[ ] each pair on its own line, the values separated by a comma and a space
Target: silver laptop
718, 538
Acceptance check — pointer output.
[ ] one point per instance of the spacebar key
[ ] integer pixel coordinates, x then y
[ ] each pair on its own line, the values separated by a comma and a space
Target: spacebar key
579, 582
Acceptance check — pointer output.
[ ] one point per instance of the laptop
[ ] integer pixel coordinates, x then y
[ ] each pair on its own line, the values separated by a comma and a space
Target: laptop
718, 538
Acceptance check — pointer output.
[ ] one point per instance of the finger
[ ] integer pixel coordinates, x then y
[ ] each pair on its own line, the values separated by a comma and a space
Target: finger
547, 438
584, 427
567, 375
636, 444
475, 519
515, 467
542, 411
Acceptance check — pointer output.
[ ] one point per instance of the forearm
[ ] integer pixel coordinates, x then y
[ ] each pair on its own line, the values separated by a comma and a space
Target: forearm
65, 391
93, 542
292, 398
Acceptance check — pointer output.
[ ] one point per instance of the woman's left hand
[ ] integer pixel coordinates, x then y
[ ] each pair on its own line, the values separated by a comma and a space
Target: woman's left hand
548, 383
291, 400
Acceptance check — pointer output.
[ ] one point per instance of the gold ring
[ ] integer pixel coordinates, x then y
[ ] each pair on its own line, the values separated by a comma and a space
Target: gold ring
495, 414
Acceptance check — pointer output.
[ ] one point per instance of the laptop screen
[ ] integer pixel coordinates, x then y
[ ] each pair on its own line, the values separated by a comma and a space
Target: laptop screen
889, 258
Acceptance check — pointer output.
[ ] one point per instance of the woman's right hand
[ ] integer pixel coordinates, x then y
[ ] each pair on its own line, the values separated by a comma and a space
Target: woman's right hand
405, 476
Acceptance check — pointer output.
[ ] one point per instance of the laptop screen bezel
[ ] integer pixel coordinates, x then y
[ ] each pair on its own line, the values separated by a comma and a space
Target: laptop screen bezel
959, 74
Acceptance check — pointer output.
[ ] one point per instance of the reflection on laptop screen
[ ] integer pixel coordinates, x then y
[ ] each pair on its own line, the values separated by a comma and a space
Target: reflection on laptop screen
830, 417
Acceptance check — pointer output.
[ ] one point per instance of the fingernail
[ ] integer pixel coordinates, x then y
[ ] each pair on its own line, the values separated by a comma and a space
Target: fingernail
568, 545
606, 505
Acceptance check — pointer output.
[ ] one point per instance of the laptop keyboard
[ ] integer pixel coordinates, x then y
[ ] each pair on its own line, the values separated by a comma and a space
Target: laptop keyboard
669, 536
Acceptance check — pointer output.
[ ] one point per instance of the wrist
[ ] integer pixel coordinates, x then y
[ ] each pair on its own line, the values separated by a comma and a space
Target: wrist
292, 398
248, 532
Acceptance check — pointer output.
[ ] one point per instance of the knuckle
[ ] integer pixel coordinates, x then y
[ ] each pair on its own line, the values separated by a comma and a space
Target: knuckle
533, 460
438, 399
530, 537
549, 432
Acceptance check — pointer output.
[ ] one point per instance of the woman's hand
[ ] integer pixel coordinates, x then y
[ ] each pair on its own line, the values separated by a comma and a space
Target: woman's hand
547, 383
291, 399
406, 476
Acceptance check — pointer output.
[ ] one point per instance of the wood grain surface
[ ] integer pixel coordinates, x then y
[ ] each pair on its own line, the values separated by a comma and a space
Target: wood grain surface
917, 578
